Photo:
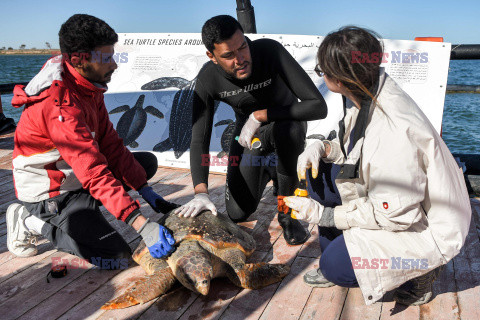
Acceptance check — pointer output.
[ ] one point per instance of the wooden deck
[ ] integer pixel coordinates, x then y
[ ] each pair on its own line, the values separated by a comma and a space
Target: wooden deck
25, 293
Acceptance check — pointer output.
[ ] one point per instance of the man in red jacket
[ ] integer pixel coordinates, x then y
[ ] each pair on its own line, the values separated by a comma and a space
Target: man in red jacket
68, 157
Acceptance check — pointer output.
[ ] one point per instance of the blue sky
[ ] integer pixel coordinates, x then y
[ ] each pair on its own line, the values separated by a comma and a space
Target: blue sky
33, 22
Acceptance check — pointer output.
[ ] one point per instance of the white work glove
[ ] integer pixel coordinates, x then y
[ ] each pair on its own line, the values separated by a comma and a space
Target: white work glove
199, 203
248, 130
306, 209
310, 158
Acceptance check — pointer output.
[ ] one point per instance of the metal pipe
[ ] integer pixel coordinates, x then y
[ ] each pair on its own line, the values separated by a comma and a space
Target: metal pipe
465, 51
460, 88
246, 16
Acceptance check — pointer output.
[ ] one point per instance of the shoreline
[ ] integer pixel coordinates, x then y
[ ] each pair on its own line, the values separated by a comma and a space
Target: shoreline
38, 52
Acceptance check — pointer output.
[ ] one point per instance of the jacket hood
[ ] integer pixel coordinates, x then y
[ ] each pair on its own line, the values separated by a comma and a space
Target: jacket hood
51, 71
54, 70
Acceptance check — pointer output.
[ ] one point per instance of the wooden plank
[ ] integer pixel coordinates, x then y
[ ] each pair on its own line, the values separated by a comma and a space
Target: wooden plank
467, 275
68, 296
249, 304
7, 179
17, 265
324, 303
212, 306
392, 310
476, 213
292, 294
24, 280
171, 305
127, 313
355, 308
89, 308
6, 256
267, 229
444, 305
8, 200
283, 252
85, 285
40, 290
311, 248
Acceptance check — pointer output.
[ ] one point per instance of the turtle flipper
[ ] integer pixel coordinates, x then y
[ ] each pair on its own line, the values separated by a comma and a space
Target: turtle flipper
258, 275
144, 290
163, 146
332, 135
316, 136
120, 109
159, 279
134, 144
223, 122
154, 112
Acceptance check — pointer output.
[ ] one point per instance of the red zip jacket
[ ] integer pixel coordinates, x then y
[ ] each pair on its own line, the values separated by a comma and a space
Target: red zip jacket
65, 141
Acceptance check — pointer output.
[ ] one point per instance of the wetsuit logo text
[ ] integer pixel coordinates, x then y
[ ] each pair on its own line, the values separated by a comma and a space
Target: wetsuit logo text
247, 88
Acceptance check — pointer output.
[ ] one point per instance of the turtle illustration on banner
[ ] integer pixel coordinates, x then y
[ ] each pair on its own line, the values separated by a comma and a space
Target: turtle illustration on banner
133, 121
331, 136
180, 124
227, 136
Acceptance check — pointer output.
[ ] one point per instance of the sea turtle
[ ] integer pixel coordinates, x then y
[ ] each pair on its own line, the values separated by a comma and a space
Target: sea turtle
133, 121
208, 246
227, 136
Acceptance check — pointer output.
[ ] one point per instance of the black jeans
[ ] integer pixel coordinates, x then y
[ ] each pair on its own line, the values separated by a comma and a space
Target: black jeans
250, 170
74, 223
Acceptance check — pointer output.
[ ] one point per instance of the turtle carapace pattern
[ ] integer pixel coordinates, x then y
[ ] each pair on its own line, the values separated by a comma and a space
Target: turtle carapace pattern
208, 247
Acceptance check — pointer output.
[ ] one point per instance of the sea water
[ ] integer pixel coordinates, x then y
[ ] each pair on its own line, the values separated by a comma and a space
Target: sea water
460, 125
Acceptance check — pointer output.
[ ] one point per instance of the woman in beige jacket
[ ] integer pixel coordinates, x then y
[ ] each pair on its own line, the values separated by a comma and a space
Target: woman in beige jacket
390, 200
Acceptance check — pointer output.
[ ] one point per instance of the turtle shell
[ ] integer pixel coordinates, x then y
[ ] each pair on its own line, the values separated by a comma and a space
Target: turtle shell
217, 231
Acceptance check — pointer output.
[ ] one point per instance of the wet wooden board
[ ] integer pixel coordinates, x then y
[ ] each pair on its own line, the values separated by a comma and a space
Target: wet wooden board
25, 294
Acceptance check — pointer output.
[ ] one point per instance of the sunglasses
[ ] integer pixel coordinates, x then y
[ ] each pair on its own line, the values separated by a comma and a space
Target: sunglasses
319, 71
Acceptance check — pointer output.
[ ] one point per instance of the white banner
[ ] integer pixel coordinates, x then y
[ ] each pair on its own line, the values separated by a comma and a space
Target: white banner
149, 97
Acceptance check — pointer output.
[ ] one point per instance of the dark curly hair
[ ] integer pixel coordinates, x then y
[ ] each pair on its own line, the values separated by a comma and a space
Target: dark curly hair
82, 33
219, 29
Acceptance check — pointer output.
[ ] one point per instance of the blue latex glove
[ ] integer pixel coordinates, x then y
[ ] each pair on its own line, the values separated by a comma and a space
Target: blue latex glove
158, 239
156, 201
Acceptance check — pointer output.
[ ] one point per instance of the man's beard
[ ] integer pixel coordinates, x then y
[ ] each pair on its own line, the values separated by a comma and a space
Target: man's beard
92, 76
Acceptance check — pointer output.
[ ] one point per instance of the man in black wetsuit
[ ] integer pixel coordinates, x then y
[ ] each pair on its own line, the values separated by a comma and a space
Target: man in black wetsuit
263, 83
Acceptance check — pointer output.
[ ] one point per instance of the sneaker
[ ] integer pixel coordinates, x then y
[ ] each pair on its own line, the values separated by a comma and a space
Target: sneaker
417, 291
20, 241
315, 278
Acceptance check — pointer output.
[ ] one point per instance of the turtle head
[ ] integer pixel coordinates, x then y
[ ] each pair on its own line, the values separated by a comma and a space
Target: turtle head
195, 271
